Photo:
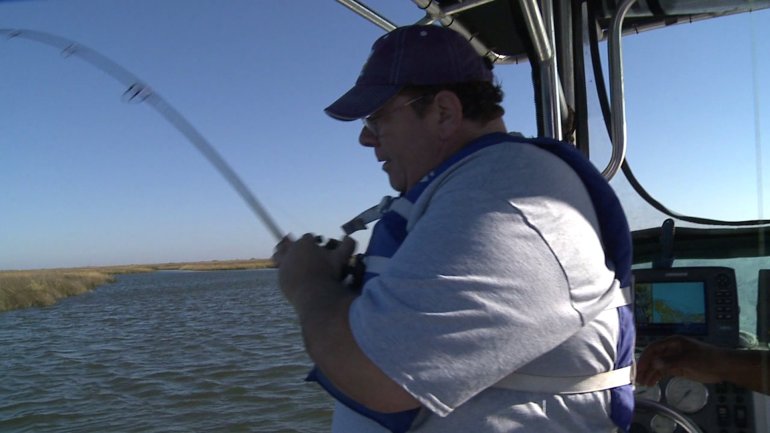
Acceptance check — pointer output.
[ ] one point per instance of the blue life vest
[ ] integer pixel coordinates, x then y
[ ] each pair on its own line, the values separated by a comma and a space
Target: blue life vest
390, 231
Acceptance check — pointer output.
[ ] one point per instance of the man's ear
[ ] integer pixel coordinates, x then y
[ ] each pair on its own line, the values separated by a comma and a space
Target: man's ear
450, 112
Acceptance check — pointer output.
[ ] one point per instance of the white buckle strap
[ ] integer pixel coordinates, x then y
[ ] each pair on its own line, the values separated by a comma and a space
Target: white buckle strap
372, 214
576, 384
567, 384
399, 205
622, 297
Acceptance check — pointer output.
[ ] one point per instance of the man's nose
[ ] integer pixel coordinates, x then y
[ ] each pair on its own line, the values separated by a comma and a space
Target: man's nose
367, 138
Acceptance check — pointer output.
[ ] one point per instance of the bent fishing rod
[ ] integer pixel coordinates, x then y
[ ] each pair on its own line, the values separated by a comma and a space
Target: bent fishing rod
138, 91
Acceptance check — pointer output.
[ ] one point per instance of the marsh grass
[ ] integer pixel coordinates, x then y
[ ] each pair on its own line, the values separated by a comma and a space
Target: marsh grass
24, 289
41, 288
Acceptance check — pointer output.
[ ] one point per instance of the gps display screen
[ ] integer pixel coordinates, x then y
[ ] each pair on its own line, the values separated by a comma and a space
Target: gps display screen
678, 305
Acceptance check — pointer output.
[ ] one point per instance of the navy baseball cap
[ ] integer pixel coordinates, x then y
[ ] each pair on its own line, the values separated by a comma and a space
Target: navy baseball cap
410, 55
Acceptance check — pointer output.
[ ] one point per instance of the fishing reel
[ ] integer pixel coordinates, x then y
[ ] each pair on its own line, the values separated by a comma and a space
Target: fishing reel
353, 273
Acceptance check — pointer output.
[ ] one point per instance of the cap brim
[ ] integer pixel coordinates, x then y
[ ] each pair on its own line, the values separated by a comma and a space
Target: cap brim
361, 101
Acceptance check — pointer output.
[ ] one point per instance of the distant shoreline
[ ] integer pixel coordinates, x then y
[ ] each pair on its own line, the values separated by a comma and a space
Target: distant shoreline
44, 287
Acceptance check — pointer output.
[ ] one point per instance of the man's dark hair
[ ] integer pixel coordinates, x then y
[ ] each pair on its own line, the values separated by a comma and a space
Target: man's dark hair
480, 99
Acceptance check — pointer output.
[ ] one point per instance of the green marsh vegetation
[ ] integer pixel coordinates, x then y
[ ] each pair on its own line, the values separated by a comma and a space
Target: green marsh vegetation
41, 288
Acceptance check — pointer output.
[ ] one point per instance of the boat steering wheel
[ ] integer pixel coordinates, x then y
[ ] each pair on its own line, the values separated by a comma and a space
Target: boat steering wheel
661, 409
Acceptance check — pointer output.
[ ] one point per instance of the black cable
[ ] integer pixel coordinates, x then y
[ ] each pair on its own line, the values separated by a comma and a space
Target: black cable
601, 91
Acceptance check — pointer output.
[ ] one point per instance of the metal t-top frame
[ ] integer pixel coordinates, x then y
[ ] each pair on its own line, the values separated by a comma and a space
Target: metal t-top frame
538, 17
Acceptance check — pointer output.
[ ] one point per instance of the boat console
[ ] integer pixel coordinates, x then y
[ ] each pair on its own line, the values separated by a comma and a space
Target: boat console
702, 303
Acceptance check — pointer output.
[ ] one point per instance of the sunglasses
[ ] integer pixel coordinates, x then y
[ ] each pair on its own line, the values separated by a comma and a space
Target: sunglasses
370, 122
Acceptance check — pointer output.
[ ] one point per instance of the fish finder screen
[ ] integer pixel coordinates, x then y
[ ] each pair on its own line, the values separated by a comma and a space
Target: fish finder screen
677, 305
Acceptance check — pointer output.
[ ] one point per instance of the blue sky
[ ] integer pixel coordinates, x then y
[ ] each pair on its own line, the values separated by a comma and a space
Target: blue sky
87, 179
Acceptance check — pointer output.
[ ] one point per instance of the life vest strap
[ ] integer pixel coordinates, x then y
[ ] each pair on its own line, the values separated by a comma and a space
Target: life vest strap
622, 297
401, 206
576, 384
361, 220
568, 384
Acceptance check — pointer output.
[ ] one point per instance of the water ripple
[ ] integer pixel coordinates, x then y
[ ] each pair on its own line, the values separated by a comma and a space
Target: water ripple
162, 352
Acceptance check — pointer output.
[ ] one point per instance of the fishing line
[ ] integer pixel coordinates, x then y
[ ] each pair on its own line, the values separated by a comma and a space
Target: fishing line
139, 92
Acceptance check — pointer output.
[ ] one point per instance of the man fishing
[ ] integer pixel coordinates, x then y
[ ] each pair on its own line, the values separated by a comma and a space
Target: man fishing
493, 296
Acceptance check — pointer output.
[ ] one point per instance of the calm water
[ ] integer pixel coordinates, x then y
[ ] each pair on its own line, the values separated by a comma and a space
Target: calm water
160, 352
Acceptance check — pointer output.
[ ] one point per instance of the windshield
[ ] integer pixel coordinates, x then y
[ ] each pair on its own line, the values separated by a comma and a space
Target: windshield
697, 103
